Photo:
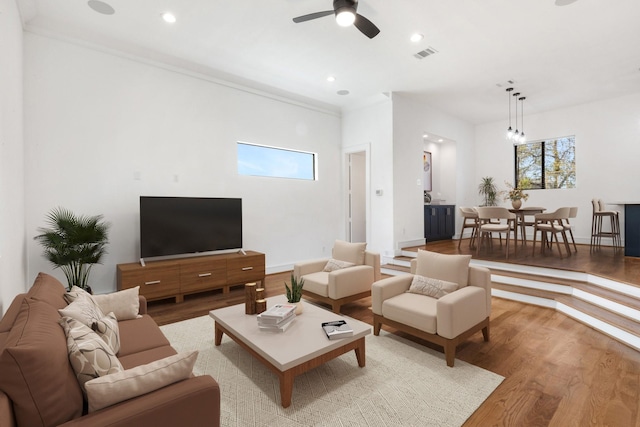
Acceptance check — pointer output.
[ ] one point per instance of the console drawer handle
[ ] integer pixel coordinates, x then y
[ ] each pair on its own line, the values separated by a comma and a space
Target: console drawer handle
153, 282
247, 268
204, 274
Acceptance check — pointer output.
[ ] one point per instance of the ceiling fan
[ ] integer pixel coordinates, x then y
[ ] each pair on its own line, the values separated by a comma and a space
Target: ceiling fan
345, 11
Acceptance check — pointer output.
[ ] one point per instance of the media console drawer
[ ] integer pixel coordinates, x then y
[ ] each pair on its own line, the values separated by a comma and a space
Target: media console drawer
179, 277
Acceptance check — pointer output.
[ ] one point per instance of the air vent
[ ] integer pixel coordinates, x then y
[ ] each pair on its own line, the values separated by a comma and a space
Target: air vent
426, 52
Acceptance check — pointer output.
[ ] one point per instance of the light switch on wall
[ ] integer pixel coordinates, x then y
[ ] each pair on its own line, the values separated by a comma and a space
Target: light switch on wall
419, 182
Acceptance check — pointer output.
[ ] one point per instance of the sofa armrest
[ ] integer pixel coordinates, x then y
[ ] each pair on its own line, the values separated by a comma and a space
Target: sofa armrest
481, 277
191, 402
350, 281
458, 311
387, 288
307, 267
7, 418
143, 304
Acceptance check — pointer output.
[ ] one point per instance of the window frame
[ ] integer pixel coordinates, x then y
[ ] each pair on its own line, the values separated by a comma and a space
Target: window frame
314, 161
543, 158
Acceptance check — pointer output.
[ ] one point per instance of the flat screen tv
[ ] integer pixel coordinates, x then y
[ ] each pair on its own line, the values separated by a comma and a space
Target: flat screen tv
187, 225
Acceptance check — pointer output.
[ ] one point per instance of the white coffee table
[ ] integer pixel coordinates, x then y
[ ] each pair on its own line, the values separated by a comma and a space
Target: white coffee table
303, 346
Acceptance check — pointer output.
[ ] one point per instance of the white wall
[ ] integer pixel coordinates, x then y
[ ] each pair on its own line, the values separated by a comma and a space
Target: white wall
13, 279
607, 151
370, 128
452, 163
95, 121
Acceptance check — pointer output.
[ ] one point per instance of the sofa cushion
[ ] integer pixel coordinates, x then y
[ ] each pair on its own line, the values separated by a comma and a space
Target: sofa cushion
147, 356
140, 334
36, 373
430, 287
124, 304
418, 311
336, 264
90, 356
114, 388
317, 283
48, 289
451, 268
350, 252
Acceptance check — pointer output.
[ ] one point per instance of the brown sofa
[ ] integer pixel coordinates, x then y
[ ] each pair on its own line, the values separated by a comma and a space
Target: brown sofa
38, 386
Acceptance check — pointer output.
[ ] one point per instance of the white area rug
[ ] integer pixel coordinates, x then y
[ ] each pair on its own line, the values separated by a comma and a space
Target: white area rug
403, 384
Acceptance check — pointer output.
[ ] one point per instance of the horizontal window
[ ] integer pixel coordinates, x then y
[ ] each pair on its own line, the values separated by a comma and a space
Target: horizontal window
261, 160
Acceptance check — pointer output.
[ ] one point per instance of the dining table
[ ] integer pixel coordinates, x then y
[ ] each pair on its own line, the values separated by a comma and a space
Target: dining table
521, 213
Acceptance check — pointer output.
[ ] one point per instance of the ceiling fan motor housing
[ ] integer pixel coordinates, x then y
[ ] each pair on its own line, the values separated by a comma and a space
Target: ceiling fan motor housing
349, 5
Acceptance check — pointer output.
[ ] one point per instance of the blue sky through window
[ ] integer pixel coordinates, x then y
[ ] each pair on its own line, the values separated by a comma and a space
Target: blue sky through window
260, 160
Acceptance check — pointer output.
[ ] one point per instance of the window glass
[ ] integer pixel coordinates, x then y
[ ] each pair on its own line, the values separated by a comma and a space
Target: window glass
546, 164
261, 160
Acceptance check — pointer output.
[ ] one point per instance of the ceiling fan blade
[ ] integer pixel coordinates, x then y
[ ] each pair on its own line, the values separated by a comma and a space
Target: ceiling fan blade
365, 26
311, 16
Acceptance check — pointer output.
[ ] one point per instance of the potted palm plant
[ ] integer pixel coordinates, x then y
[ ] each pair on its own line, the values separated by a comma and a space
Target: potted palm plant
294, 293
488, 190
74, 244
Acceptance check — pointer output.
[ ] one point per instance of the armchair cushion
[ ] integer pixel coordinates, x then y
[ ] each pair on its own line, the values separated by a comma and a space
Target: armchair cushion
350, 252
336, 264
450, 268
417, 311
430, 287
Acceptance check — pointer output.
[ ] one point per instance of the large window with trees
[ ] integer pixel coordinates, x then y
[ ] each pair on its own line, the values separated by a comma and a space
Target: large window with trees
550, 163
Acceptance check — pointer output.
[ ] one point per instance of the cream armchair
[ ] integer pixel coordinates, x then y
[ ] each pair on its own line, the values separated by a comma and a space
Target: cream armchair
443, 301
344, 278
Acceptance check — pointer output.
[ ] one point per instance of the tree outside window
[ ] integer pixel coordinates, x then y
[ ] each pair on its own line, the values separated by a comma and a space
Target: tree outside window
546, 164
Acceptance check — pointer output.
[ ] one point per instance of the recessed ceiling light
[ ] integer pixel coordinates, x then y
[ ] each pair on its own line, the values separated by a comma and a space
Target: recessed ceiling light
440, 140
564, 2
343, 92
101, 7
416, 37
169, 17
424, 135
331, 78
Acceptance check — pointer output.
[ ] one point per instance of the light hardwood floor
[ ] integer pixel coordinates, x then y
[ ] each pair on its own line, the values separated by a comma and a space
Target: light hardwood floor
558, 372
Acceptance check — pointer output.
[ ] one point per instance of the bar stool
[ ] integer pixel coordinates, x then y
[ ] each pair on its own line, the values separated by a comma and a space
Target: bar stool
469, 220
599, 213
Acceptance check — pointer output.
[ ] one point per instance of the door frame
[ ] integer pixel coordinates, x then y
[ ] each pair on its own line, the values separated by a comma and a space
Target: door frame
346, 152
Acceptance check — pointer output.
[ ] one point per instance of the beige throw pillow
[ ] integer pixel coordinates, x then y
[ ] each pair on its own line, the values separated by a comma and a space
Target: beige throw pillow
350, 252
107, 329
430, 287
89, 355
450, 268
124, 304
336, 264
111, 389
84, 309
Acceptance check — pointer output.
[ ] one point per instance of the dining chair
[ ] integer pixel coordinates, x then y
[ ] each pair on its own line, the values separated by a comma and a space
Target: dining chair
469, 220
573, 212
495, 219
551, 224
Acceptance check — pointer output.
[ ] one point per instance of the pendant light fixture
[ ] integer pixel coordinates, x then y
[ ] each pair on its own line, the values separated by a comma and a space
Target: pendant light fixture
514, 138
522, 138
509, 131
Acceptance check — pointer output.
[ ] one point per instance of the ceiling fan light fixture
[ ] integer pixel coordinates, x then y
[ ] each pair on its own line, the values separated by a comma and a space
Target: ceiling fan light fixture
345, 17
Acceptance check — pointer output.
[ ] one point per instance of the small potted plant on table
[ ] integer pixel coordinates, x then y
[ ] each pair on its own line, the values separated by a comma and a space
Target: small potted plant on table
294, 293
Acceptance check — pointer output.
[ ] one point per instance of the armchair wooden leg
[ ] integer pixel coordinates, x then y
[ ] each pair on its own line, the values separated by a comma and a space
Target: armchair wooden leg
376, 325
335, 306
450, 352
485, 333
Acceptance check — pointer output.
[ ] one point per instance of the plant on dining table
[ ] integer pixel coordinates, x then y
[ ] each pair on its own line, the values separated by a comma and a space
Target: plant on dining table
513, 193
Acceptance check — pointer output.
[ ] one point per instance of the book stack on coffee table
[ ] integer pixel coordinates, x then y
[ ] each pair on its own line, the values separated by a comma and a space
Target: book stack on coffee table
277, 318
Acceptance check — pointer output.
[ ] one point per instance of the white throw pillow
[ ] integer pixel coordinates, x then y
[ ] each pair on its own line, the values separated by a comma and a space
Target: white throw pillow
430, 287
89, 355
336, 264
111, 389
350, 252
124, 304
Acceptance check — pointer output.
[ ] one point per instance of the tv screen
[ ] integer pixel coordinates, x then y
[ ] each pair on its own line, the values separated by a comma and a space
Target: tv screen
187, 225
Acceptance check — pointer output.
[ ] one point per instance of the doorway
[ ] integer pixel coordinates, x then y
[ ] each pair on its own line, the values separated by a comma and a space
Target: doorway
357, 197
